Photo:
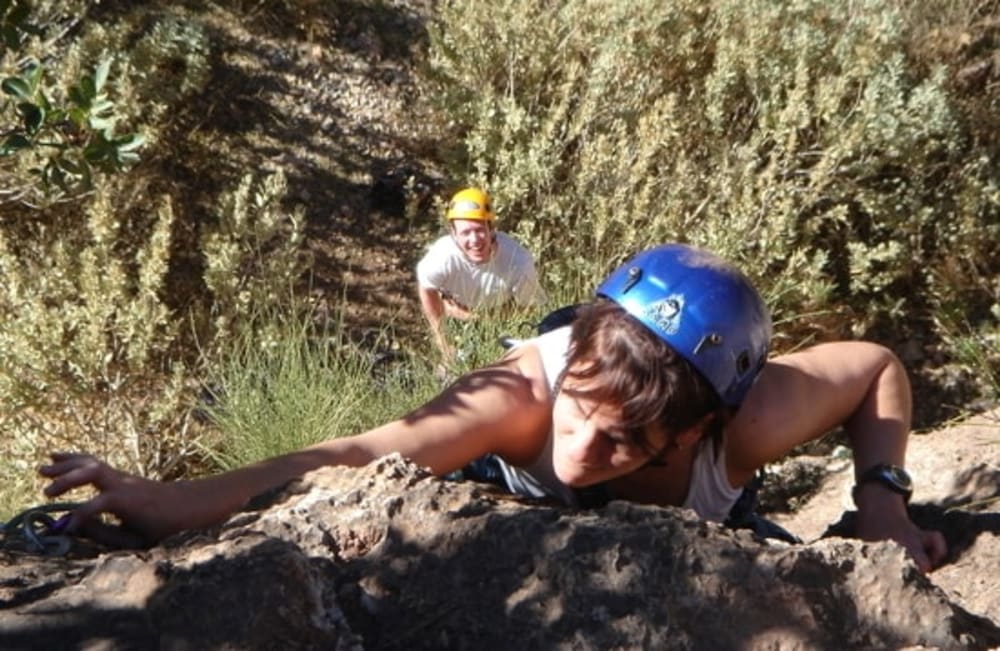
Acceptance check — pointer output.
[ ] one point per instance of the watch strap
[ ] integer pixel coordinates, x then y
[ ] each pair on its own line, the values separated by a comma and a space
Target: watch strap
891, 476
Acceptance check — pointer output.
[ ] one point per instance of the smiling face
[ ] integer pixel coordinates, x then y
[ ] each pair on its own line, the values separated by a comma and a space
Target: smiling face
474, 238
591, 444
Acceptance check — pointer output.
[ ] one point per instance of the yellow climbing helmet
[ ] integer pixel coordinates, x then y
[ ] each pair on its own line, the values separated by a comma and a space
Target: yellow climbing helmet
471, 203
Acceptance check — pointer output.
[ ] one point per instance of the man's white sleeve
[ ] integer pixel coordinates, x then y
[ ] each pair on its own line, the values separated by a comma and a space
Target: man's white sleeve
429, 272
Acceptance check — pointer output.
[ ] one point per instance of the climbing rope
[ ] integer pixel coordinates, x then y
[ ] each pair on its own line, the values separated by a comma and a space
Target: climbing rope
36, 531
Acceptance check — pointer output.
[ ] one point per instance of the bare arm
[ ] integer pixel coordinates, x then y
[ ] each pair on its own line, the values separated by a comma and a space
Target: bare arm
802, 396
433, 307
496, 409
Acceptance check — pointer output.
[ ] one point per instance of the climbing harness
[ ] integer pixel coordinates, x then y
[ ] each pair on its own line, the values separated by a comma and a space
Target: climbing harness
36, 531
557, 318
744, 514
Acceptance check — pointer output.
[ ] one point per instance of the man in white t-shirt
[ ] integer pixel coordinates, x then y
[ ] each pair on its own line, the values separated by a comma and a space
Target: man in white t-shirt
474, 266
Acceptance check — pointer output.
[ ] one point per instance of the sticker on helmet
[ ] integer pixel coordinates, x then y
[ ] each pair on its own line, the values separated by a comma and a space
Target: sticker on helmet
465, 205
666, 313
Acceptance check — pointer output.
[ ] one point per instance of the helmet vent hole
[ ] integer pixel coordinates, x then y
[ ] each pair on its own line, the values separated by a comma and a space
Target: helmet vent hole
743, 363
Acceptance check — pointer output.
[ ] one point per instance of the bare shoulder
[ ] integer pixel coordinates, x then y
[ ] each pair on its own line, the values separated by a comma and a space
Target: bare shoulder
526, 361
501, 391
503, 408
525, 404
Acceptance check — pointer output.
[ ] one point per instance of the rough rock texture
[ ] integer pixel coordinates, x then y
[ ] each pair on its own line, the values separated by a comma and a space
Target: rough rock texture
956, 472
388, 557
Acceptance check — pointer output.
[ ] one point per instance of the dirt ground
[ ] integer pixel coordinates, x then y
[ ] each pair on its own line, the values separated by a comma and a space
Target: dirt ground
325, 93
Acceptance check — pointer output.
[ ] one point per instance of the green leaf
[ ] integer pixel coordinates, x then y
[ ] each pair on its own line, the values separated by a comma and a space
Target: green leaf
75, 168
102, 106
77, 96
34, 76
86, 179
32, 117
127, 158
78, 116
14, 143
130, 142
101, 74
100, 124
97, 152
16, 87
125, 149
44, 102
88, 88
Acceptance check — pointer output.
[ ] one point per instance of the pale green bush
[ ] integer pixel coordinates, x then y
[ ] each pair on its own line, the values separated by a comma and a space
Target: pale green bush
94, 354
794, 138
86, 341
84, 324
89, 354
253, 255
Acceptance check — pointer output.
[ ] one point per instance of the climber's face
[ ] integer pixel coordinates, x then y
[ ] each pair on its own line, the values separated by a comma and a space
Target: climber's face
590, 445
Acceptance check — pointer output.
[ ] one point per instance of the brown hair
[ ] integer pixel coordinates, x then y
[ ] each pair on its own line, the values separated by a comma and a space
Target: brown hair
640, 372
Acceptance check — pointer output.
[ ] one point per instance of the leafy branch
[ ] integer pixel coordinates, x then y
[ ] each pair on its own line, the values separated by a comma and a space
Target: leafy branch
76, 138
71, 138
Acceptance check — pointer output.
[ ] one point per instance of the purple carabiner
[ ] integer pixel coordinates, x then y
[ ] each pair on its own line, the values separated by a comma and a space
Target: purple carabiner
59, 525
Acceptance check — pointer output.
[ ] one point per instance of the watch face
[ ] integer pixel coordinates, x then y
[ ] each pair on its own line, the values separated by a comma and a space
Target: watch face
891, 476
899, 477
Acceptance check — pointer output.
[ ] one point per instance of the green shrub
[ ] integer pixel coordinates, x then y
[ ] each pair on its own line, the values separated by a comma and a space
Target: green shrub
974, 342
795, 138
253, 252
89, 354
94, 352
58, 118
83, 346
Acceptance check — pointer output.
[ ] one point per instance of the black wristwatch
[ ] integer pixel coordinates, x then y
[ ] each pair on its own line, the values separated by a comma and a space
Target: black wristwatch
892, 477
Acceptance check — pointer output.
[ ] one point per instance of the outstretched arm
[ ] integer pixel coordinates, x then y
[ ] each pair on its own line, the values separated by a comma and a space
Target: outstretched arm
150, 510
802, 396
495, 409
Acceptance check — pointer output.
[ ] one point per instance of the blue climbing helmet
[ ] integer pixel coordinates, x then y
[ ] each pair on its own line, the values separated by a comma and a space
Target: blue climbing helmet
703, 307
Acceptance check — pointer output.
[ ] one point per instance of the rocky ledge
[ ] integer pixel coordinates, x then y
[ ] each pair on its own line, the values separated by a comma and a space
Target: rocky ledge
388, 556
